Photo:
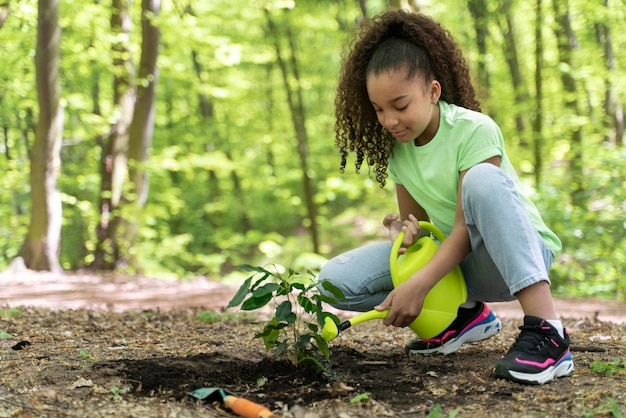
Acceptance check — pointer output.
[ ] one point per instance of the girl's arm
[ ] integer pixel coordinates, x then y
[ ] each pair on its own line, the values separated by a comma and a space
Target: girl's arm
408, 206
406, 304
456, 246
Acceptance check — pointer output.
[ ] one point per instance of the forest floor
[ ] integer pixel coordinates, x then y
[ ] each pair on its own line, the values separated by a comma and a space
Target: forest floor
106, 346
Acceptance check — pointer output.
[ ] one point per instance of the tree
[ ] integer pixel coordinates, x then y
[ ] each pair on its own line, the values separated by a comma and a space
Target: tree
40, 249
508, 29
567, 46
613, 110
296, 107
537, 120
4, 13
114, 158
142, 125
478, 9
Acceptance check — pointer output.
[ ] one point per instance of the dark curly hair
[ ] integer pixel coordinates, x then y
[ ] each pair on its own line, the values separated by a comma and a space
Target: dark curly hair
395, 40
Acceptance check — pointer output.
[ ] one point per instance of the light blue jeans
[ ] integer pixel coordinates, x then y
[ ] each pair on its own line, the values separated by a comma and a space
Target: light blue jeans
507, 253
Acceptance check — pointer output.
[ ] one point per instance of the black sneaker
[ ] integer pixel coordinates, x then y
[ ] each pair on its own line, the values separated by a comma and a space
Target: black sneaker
538, 355
471, 325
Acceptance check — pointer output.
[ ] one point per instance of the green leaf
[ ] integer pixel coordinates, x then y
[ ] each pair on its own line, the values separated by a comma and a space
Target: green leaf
306, 304
324, 298
303, 342
299, 286
322, 345
255, 302
241, 294
435, 412
608, 369
360, 398
270, 334
336, 292
284, 313
615, 409
259, 281
271, 327
248, 267
321, 316
280, 348
267, 288
5, 335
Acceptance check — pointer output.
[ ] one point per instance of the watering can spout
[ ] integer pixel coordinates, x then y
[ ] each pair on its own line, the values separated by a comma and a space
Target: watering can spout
440, 305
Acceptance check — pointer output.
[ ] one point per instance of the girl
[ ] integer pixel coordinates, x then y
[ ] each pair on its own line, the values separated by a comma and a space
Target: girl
406, 105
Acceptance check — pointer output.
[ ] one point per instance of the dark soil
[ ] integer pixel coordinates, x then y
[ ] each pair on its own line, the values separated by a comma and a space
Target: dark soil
143, 362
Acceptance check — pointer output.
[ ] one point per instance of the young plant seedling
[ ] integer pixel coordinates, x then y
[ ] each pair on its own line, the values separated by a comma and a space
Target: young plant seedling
298, 315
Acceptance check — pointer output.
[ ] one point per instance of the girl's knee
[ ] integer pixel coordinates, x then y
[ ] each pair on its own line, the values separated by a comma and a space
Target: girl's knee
483, 180
480, 174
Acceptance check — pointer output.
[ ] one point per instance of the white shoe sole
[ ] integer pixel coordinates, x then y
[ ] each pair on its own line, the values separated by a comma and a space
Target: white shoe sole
477, 333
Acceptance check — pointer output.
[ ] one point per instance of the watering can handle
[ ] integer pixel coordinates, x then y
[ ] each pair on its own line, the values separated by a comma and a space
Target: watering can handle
393, 265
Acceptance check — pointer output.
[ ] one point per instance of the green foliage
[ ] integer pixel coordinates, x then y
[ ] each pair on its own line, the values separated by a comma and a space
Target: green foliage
210, 317
298, 314
437, 412
226, 183
610, 408
607, 369
593, 260
86, 356
361, 397
10, 312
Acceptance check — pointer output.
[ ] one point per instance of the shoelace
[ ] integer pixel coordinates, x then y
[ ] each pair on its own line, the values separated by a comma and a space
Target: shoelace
531, 338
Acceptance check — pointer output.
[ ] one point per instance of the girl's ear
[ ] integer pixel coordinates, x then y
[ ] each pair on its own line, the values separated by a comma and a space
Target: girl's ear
435, 91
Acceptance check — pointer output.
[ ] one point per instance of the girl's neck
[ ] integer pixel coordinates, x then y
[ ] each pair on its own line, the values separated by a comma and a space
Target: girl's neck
431, 130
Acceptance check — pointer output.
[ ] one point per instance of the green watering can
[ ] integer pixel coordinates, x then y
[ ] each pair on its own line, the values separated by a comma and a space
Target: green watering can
440, 305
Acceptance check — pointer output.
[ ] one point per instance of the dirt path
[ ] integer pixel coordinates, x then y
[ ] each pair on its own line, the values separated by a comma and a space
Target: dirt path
121, 293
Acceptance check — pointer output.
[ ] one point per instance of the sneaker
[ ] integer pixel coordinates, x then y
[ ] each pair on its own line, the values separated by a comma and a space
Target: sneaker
471, 325
538, 355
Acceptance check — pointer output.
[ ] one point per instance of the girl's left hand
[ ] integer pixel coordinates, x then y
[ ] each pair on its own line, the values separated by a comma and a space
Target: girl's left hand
411, 229
405, 304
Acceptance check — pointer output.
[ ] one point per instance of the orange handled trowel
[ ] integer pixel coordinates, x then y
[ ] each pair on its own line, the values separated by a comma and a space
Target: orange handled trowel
242, 407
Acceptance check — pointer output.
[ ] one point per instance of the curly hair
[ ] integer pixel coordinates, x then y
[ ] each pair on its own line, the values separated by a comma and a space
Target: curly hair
394, 40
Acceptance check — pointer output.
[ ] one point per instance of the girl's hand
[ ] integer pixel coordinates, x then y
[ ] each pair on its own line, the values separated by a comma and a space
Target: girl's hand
410, 227
405, 304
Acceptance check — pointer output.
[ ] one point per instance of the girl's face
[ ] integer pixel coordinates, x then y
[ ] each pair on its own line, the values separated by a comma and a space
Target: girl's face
406, 108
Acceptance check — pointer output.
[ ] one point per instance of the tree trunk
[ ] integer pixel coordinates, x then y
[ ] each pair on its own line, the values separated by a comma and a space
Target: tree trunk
40, 249
296, 107
142, 126
567, 45
4, 13
5, 137
114, 159
363, 7
613, 111
480, 14
204, 102
508, 29
408, 5
538, 113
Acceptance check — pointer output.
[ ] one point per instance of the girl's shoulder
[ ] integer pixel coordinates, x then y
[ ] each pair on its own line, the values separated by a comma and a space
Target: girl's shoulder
458, 114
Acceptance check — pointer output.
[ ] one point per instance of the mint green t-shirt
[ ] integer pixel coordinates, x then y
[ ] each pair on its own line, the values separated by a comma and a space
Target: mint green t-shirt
430, 172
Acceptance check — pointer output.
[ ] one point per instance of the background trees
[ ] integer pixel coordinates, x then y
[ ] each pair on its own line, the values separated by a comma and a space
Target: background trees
241, 161
40, 250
